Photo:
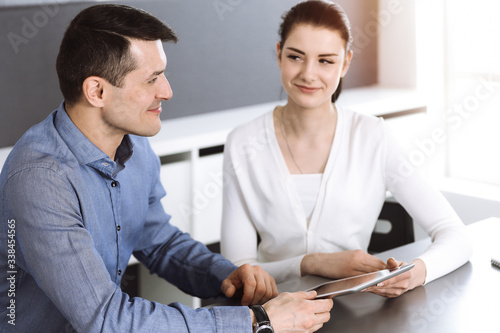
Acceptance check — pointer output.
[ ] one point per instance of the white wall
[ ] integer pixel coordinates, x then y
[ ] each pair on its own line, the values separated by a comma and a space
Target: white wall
397, 44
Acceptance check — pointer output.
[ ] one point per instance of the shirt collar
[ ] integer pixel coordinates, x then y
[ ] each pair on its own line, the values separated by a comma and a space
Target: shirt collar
85, 151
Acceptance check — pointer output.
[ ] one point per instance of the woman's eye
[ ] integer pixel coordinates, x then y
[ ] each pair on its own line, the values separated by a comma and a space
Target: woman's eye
327, 62
294, 57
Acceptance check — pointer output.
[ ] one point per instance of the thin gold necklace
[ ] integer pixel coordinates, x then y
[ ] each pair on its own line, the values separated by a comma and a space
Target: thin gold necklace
288, 145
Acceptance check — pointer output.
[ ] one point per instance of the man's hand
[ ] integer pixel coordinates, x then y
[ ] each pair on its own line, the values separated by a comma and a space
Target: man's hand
298, 312
401, 283
340, 265
257, 285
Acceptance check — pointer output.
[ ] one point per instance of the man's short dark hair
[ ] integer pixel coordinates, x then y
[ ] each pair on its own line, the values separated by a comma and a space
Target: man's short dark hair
97, 43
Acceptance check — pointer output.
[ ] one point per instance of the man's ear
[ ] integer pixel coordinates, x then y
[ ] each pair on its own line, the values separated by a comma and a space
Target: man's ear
93, 90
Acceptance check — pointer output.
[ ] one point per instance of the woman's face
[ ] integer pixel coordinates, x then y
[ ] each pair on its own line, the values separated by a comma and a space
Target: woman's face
312, 61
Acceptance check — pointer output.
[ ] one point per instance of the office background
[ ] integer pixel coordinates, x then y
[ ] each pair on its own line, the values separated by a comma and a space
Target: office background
225, 57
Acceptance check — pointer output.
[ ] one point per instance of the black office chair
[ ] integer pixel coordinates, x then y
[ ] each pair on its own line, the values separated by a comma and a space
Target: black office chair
401, 231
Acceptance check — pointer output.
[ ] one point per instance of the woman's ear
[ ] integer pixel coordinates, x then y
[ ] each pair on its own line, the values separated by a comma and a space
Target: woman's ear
93, 90
278, 53
347, 62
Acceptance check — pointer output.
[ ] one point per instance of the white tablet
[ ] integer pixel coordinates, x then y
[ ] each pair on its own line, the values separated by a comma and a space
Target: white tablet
357, 283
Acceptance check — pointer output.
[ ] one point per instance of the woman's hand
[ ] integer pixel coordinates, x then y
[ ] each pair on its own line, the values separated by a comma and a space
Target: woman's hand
340, 264
401, 283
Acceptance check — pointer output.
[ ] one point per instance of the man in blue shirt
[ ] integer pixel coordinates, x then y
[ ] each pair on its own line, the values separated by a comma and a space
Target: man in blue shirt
80, 193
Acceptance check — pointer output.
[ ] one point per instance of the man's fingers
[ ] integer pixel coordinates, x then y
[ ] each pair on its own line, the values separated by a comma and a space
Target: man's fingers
249, 286
326, 306
306, 294
228, 289
261, 290
316, 328
252, 283
274, 289
322, 314
321, 318
264, 290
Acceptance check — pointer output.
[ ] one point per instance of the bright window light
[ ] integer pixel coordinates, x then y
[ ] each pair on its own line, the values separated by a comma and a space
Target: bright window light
472, 89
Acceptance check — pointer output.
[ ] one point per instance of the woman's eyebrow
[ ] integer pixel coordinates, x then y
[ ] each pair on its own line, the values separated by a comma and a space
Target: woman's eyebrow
321, 55
296, 50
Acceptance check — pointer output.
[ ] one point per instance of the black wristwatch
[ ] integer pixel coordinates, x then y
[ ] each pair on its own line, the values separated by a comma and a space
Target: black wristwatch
263, 322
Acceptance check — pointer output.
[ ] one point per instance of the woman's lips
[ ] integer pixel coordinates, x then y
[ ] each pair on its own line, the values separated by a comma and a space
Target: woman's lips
307, 90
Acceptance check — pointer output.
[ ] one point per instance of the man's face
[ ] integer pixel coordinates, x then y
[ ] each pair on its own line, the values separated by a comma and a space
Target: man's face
135, 107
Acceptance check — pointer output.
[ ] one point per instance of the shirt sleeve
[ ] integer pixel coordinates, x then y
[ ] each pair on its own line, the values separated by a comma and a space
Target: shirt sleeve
57, 250
175, 256
451, 247
239, 236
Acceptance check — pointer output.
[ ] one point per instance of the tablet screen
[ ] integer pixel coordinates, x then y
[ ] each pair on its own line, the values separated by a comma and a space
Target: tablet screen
357, 283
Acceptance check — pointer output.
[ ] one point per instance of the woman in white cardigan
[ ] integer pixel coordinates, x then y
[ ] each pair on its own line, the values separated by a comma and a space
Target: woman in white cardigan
310, 178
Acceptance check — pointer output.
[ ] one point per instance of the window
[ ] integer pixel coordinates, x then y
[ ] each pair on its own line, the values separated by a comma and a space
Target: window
472, 89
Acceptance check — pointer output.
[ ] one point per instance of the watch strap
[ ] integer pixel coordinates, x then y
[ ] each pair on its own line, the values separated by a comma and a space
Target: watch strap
261, 318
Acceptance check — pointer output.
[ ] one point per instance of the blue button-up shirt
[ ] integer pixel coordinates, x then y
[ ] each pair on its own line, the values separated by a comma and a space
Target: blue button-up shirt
70, 220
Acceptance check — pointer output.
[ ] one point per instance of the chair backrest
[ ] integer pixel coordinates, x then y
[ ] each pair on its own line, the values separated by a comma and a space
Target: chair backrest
400, 233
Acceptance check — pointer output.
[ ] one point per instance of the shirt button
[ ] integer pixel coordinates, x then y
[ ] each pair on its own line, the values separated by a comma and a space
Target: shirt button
114, 183
118, 228
119, 272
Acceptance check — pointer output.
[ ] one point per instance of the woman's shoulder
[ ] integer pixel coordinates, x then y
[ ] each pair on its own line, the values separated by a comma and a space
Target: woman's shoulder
253, 129
359, 118
362, 123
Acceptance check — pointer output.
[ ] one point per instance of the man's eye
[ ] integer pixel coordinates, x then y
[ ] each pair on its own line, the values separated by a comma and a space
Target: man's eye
153, 80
